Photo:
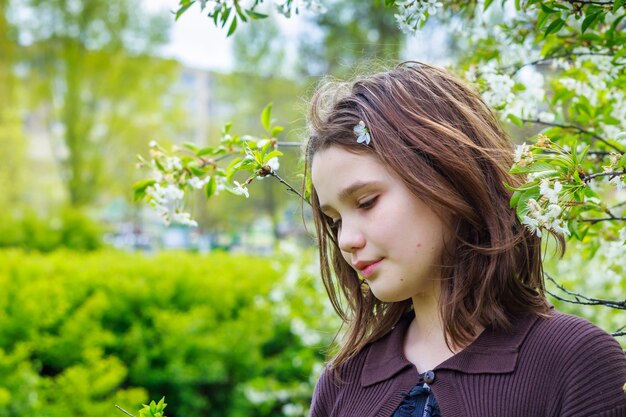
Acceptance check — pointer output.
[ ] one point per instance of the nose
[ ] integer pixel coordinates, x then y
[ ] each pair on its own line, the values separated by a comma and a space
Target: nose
350, 237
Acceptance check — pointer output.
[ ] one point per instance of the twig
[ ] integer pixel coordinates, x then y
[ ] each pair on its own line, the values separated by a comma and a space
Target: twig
566, 55
596, 2
293, 190
584, 300
579, 129
603, 219
599, 153
124, 411
589, 177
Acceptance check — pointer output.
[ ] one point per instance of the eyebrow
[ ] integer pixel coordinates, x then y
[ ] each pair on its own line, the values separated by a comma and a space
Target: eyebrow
349, 191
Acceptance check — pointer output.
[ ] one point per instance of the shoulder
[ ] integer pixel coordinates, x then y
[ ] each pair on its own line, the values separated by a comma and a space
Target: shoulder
569, 333
585, 361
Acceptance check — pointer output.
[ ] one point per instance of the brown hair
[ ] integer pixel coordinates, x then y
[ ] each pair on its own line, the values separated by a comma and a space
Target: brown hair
448, 148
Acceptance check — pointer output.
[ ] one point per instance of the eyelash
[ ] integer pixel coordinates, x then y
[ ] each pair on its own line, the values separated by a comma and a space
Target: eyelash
366, 205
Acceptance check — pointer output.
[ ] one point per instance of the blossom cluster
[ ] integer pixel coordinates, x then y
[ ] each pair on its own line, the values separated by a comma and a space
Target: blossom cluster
289, 7
546, 213
614, 179
412, 14
166, 192
286, 8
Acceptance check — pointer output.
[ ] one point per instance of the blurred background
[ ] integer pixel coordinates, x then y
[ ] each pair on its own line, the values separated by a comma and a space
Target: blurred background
100, 303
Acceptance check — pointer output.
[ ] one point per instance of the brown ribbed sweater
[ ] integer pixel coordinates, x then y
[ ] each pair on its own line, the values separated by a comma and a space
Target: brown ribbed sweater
562, 366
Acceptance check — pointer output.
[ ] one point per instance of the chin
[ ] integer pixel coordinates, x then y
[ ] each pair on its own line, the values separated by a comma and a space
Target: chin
387, 296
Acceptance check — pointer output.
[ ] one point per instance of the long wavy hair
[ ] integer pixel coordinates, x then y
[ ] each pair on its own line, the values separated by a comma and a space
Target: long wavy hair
438, 136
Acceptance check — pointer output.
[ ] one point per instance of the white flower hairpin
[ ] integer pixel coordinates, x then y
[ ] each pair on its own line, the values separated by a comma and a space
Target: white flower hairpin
362, 133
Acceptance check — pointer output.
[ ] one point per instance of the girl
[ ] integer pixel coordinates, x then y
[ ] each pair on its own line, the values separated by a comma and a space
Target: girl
442, 285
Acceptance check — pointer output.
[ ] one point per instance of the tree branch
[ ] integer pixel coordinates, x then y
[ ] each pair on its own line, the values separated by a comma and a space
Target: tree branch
124, 411
576, 128
596, 2
566, 55
289, 187
584, 300
589, 177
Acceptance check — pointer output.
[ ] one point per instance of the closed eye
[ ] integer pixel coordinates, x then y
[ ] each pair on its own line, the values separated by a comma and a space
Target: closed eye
368, 204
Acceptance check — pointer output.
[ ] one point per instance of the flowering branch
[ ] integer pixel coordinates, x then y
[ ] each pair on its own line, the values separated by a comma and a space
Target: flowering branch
173, 175
574, 127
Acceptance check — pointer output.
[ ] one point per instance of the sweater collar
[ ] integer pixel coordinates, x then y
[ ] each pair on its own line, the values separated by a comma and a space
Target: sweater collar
493, 352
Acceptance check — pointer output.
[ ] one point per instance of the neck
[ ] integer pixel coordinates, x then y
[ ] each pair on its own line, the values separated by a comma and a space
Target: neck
427, 324
424, 342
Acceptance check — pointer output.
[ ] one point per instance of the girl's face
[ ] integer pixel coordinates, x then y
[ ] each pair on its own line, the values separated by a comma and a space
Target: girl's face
388, 235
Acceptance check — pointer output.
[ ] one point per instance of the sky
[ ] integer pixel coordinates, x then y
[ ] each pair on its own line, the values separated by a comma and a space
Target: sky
197, 43
194, 40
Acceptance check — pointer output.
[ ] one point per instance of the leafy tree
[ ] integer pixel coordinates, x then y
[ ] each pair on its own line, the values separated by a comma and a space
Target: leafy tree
352, 33
90, 73
12, 143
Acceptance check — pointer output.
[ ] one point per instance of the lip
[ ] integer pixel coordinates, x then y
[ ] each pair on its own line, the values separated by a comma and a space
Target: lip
367, 268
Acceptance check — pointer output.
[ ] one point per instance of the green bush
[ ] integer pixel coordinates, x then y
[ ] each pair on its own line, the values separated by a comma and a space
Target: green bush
213, 334
70, 229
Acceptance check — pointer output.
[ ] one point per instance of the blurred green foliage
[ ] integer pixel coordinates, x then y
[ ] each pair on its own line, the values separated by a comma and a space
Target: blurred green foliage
217, 335
70, 229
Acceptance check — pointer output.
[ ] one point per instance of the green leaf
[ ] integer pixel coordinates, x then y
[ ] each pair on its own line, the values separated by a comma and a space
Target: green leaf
225, 16
240, 13
618, 5
191, 146
183, 9
256, 15
554, 27
211, 187
233, 27
515, 120
487, 4
162, 404
226, 128
542, 19
533, 167
271, 155
140, 188
234, 164
515, 198
276, 130
589, 21
523, 201
205, 151
265, 117
622, 162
